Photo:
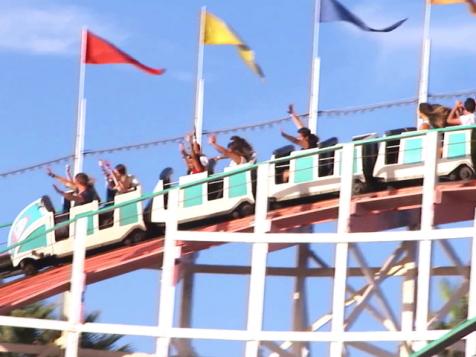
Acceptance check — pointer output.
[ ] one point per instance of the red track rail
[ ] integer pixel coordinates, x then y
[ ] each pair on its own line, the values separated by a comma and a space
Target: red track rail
370, 212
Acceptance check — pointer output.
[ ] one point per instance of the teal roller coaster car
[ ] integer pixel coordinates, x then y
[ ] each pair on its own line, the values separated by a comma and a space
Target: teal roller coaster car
35, 243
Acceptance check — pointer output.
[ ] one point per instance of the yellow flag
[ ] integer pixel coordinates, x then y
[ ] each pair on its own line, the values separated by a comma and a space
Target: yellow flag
471, 3
217, 32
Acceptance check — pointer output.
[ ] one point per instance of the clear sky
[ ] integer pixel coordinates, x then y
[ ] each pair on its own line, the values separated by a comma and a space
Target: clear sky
39, 54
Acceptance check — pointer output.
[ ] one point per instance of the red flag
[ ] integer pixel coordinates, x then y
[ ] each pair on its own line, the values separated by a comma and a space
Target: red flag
100, 51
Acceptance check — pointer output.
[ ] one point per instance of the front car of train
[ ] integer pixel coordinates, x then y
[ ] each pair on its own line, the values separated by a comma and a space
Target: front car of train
35, 244
28, 237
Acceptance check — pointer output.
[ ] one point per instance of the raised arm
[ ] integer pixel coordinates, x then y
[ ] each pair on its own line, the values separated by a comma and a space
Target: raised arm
69, 174
295, 118
212, 140
453, 117
70, 196
291, 138
61, 179
185, 155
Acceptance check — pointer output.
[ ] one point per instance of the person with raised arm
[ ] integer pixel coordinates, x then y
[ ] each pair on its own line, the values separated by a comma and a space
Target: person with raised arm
432, 116
305, 139
117, 179
462, 114
83, 190
195, 160
238, 150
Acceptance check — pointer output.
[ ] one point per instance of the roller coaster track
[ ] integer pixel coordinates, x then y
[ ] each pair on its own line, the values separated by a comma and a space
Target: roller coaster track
374, 211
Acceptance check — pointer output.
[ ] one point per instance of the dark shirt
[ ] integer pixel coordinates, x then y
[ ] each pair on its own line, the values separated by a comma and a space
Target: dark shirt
88, 195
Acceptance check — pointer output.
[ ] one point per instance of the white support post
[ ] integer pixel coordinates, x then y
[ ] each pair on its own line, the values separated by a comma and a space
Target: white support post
167, 283
342, 250
425, 58
299, 299
199, 90
78, 279
81, 116
315, 70
259, 256
424, 246
184, 347
408, 295
471, 340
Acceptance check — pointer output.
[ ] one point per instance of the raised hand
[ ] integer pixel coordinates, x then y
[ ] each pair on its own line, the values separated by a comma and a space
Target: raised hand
49, 172
290, 109
68, 171
212, 139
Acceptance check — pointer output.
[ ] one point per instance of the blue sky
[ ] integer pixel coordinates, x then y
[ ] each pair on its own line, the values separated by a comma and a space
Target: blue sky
39, 50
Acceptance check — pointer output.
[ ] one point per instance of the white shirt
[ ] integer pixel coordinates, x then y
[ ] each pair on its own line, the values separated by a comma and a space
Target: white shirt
233, 163
467, 119
204, 161
243, 160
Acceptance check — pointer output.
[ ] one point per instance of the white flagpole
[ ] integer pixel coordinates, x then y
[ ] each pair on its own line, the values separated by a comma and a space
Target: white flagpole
81, 116
198, 118
425, 58
315, 70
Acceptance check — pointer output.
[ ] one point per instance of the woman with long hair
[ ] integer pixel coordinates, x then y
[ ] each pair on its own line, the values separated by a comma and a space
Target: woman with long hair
238, 150
433, 115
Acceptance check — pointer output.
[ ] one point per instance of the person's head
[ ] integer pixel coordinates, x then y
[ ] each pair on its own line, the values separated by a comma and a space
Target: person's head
304, 133
313, 141
120, 169
82, 179
469, 105
197, 149
189, 162
241, 147
308, 137
424, 110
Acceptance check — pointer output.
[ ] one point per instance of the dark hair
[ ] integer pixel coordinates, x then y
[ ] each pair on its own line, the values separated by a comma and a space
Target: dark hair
241, 146
121, 169
470, 105
304, 132
82, 178
313, 140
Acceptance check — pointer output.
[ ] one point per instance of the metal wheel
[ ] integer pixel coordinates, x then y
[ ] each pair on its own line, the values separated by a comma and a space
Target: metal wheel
128, 241
138, 236
358, 187
246, 209
29, 267
465, 173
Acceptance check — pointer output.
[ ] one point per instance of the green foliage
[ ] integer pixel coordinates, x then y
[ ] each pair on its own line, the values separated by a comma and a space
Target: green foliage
42, 337
99, 341
457, 314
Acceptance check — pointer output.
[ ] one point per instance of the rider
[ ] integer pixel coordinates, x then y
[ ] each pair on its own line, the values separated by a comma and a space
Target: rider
82, 187
305, 139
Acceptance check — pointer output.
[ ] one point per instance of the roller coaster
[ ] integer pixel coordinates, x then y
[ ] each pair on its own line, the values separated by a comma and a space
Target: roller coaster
373, 187
397, 160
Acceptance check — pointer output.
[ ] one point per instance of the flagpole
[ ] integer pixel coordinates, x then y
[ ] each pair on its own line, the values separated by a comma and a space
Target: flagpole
425, 57
315, 70
198, 118
81, 115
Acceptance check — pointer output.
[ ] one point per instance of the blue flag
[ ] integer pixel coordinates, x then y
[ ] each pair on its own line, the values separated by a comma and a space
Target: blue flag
332, 10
